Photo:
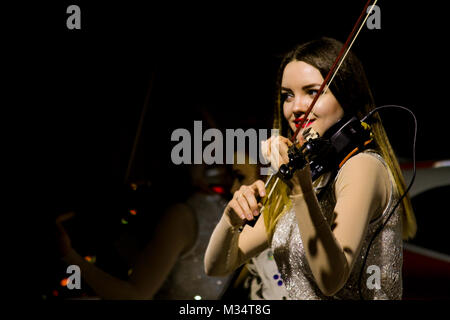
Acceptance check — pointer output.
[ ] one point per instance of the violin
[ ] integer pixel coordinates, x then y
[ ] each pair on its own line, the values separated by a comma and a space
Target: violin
323, 154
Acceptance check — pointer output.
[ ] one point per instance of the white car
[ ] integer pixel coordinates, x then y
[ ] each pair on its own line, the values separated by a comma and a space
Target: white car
426, 258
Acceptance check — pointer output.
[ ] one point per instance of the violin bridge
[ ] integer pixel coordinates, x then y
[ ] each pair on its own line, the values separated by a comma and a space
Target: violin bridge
310, 133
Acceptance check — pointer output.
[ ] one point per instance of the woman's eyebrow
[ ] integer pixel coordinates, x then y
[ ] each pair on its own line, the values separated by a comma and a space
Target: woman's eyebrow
308, 86
312, 85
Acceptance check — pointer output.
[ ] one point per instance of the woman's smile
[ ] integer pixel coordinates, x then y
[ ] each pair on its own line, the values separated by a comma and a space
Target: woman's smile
307, 123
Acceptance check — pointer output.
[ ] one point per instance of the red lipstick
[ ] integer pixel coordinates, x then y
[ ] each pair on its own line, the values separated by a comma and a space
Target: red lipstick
305, 125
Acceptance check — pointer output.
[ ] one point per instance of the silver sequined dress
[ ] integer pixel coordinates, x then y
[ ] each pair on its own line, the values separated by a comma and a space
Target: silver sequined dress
188, 280
385, 252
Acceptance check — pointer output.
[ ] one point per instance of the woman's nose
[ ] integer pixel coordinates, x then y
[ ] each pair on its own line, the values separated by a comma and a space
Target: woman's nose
300, 106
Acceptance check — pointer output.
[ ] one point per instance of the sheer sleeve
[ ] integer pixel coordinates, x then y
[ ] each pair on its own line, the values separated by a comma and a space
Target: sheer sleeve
361, 192
228, 249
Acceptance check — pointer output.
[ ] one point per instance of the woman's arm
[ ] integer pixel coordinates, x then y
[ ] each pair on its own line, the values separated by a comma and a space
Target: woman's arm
361, 193
227, 248
175, 233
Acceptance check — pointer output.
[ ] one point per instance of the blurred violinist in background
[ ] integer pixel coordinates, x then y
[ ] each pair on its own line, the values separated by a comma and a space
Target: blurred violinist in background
161, 252
170, 265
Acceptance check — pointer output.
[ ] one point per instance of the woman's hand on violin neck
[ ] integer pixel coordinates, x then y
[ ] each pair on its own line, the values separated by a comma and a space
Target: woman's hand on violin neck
245, 203
275, 150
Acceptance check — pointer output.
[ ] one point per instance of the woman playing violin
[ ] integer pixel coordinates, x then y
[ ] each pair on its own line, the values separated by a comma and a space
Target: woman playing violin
320, 231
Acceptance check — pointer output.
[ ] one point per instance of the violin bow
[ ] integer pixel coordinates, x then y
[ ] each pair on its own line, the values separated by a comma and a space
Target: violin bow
139, 128
325, 84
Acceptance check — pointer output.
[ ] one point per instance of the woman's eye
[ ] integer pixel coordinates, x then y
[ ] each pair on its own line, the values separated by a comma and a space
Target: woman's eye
286, 96
313, 92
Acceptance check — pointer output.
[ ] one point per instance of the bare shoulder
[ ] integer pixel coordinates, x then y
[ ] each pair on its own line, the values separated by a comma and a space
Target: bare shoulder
182, 223
181, 213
